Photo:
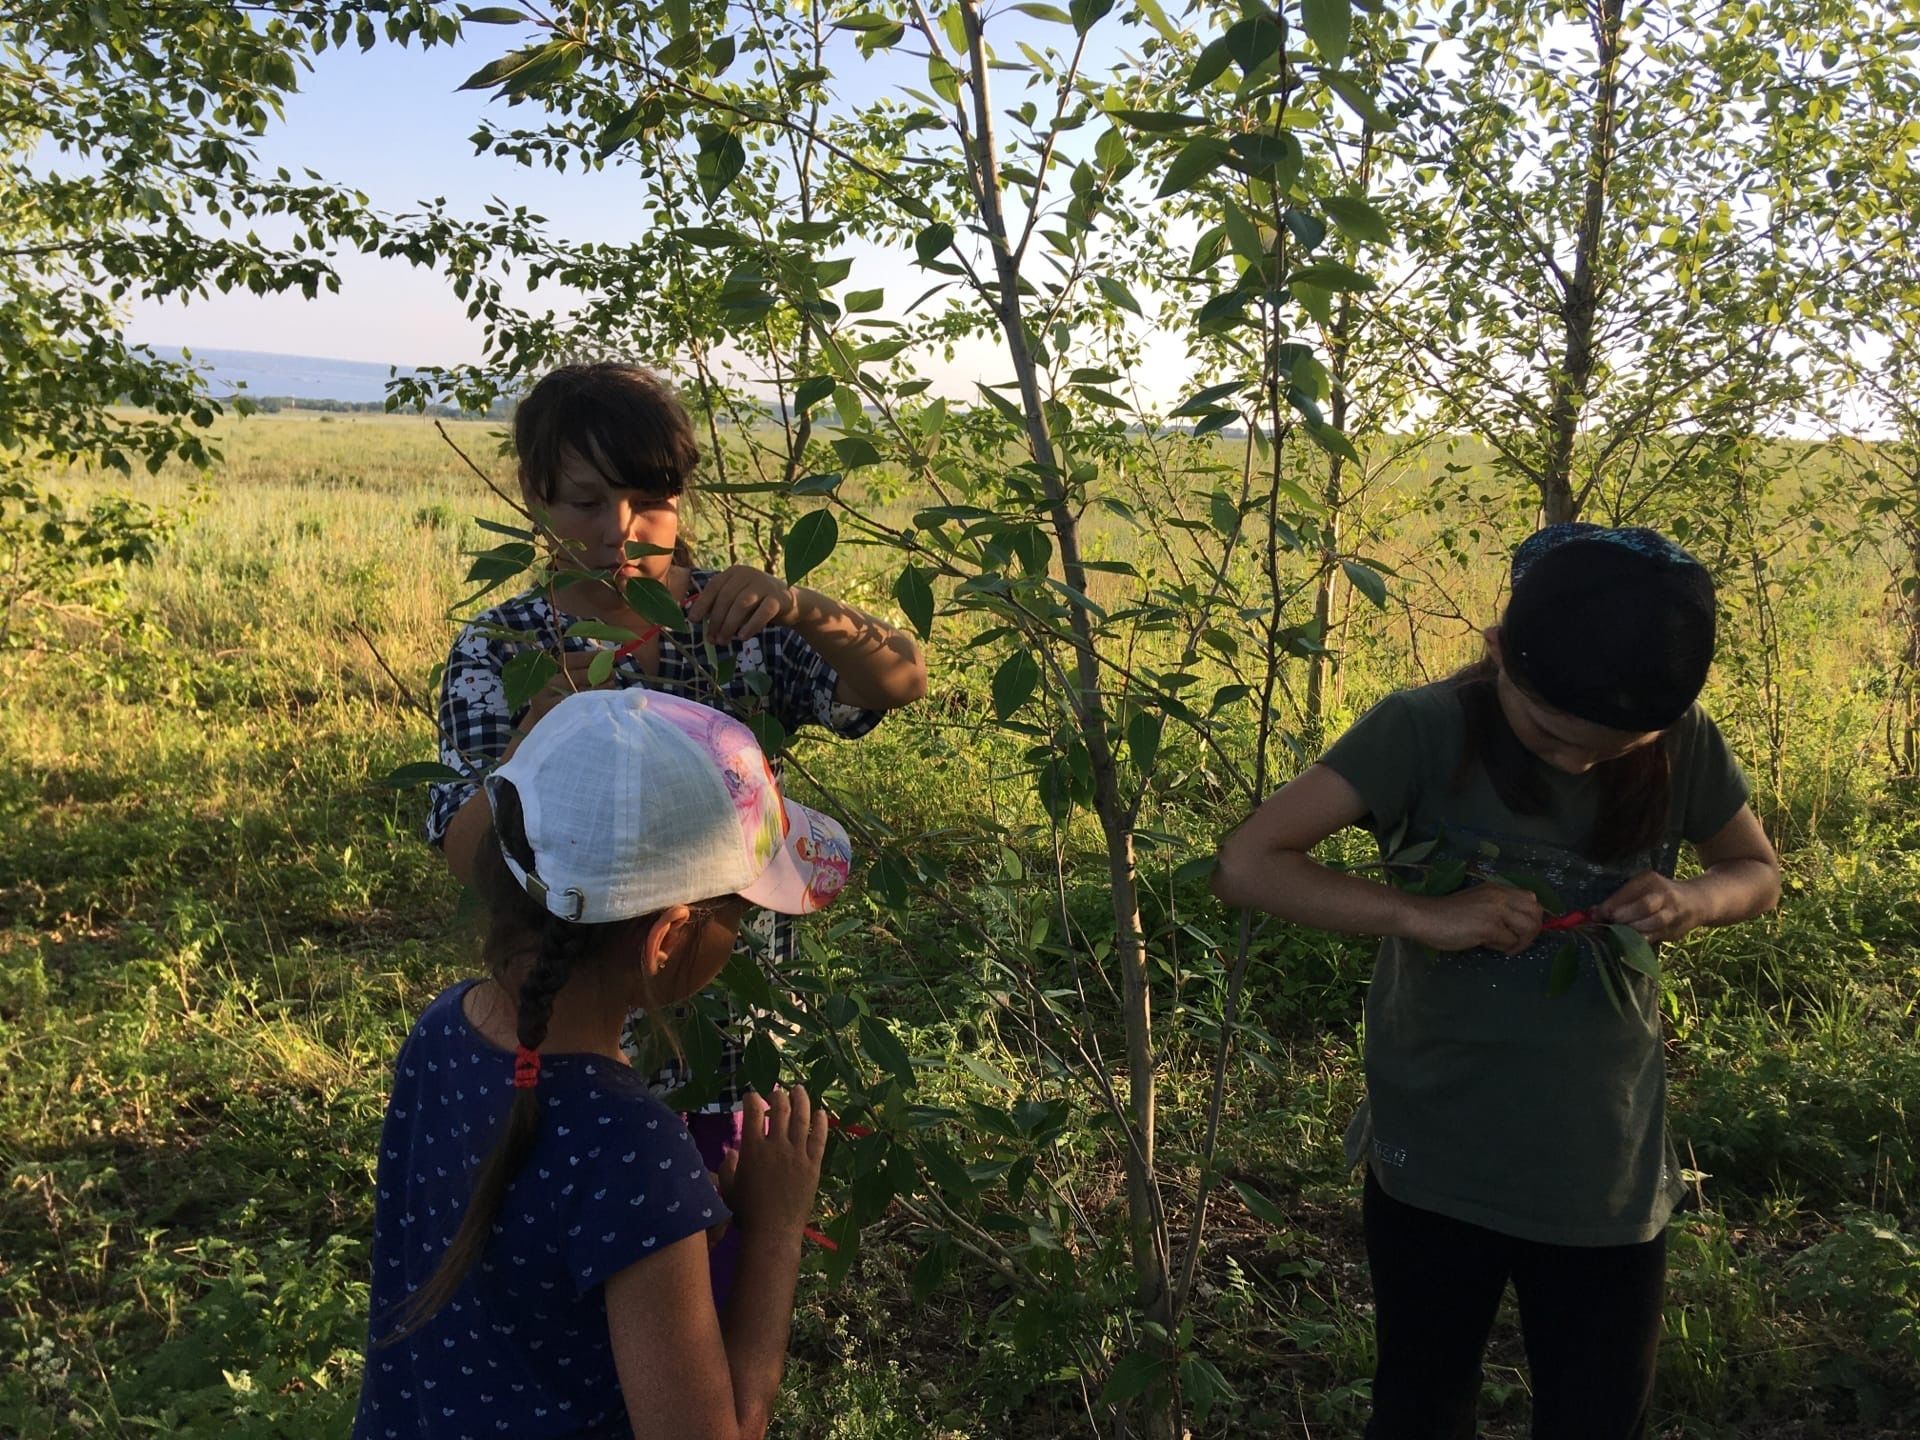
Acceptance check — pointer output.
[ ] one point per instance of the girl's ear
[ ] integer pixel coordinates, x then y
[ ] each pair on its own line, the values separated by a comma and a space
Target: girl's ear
1494, 653
664, 935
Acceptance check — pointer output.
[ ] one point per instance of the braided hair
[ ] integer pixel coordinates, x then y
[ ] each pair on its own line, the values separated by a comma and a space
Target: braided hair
516, 923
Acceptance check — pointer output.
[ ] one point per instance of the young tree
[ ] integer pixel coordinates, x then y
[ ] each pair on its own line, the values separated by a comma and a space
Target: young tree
1607, 184
1048, 205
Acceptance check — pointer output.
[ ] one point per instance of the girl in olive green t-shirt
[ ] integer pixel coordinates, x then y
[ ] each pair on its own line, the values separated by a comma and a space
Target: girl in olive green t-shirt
1511, 1135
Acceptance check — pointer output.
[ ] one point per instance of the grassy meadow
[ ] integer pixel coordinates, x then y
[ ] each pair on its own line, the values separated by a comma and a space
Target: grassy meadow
216, 924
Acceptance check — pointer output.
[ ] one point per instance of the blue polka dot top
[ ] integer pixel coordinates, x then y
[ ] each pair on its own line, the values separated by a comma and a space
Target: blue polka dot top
522, 1349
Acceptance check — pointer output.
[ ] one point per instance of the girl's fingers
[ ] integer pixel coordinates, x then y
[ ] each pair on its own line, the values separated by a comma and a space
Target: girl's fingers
753, 1123
817, 1136
763, 616
800, 1116
744, 607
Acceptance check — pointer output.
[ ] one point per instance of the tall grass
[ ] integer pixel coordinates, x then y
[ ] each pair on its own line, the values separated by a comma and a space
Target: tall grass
215, 925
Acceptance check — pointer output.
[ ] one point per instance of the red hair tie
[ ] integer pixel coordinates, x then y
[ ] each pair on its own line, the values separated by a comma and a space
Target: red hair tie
526, 1068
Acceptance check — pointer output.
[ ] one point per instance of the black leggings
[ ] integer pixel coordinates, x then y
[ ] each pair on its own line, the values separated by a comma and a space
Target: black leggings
1590, 1317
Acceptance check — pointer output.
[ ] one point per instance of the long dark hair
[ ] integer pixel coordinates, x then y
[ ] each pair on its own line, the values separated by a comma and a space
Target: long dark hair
623, 419
1635, 789
516, 924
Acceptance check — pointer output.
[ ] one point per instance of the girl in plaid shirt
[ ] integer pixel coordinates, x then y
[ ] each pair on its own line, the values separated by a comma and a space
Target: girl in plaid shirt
607, 453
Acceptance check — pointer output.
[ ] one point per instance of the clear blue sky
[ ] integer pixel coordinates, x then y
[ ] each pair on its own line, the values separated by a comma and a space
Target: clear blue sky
393, 123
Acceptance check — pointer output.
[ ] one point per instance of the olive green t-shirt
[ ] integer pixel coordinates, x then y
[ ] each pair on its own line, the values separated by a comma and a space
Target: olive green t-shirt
1489, 1100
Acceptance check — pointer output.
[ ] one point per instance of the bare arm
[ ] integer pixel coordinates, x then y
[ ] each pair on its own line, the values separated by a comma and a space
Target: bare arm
681, 1375
1740, 879
1265, 865
880, 668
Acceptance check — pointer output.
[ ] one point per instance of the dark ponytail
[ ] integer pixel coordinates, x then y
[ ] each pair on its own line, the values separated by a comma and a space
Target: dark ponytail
516, 920
1635, 789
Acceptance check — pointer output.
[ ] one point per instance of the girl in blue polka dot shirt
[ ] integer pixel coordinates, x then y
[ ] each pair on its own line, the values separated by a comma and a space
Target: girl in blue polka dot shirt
542, 1221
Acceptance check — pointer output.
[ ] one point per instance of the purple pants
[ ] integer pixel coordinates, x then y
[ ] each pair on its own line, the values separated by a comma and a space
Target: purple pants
718, 1136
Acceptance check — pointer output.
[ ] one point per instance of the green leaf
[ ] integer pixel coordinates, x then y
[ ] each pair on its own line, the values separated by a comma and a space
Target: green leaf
762, 1063
525, 675
1117, 294
818, 484
1088, 13
1331, 275
421, 772
1634, 951
1357, 218
721, 158
1367, 581
1209, 65
933, 242
946, 1172
653, 601
988, 1072
494, 15
1262, 1209
1133, 1375
1045, 12
769, 731
1331, 441
862, 302
1143, 739
1329, 25
810, 541
810, 392
914, 594
1316, 300
884, 1049
1014, 683
1224, 513
1359, 100
1199, 158
496, 72
1566, 968
1005, 406
600, 668
1612, 984
855, 451
1538, 885
1158, 120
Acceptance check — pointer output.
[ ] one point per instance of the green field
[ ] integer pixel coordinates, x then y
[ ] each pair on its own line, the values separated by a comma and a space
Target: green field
216, 923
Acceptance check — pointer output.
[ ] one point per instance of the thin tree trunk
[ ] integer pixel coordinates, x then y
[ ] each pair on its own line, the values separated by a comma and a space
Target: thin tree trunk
1580, 291
1326, 587
1910, 739
1146, 1224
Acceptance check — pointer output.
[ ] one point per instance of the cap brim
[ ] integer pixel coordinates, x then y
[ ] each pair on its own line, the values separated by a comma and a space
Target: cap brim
809, 870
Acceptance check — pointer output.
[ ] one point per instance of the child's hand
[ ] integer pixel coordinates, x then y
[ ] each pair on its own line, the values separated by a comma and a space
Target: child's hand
740, 602
1494, 916
781, 1147
1659, 908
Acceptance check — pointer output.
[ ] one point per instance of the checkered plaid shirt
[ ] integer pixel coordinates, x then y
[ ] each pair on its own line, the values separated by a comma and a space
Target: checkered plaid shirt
776, 672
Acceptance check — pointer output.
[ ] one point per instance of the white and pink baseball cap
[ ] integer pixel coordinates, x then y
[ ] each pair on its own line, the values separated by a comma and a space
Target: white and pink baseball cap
635, 800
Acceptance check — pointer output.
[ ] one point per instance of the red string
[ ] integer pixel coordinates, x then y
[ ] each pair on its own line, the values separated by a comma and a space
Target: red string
817, 1238
1572, 920
526, 1068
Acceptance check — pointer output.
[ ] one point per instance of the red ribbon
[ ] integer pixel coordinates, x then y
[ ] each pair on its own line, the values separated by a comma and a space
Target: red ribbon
1572, 920
526, 1068
817, 1238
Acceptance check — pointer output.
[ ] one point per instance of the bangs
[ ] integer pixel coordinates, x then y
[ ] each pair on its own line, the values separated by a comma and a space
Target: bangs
622, 420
